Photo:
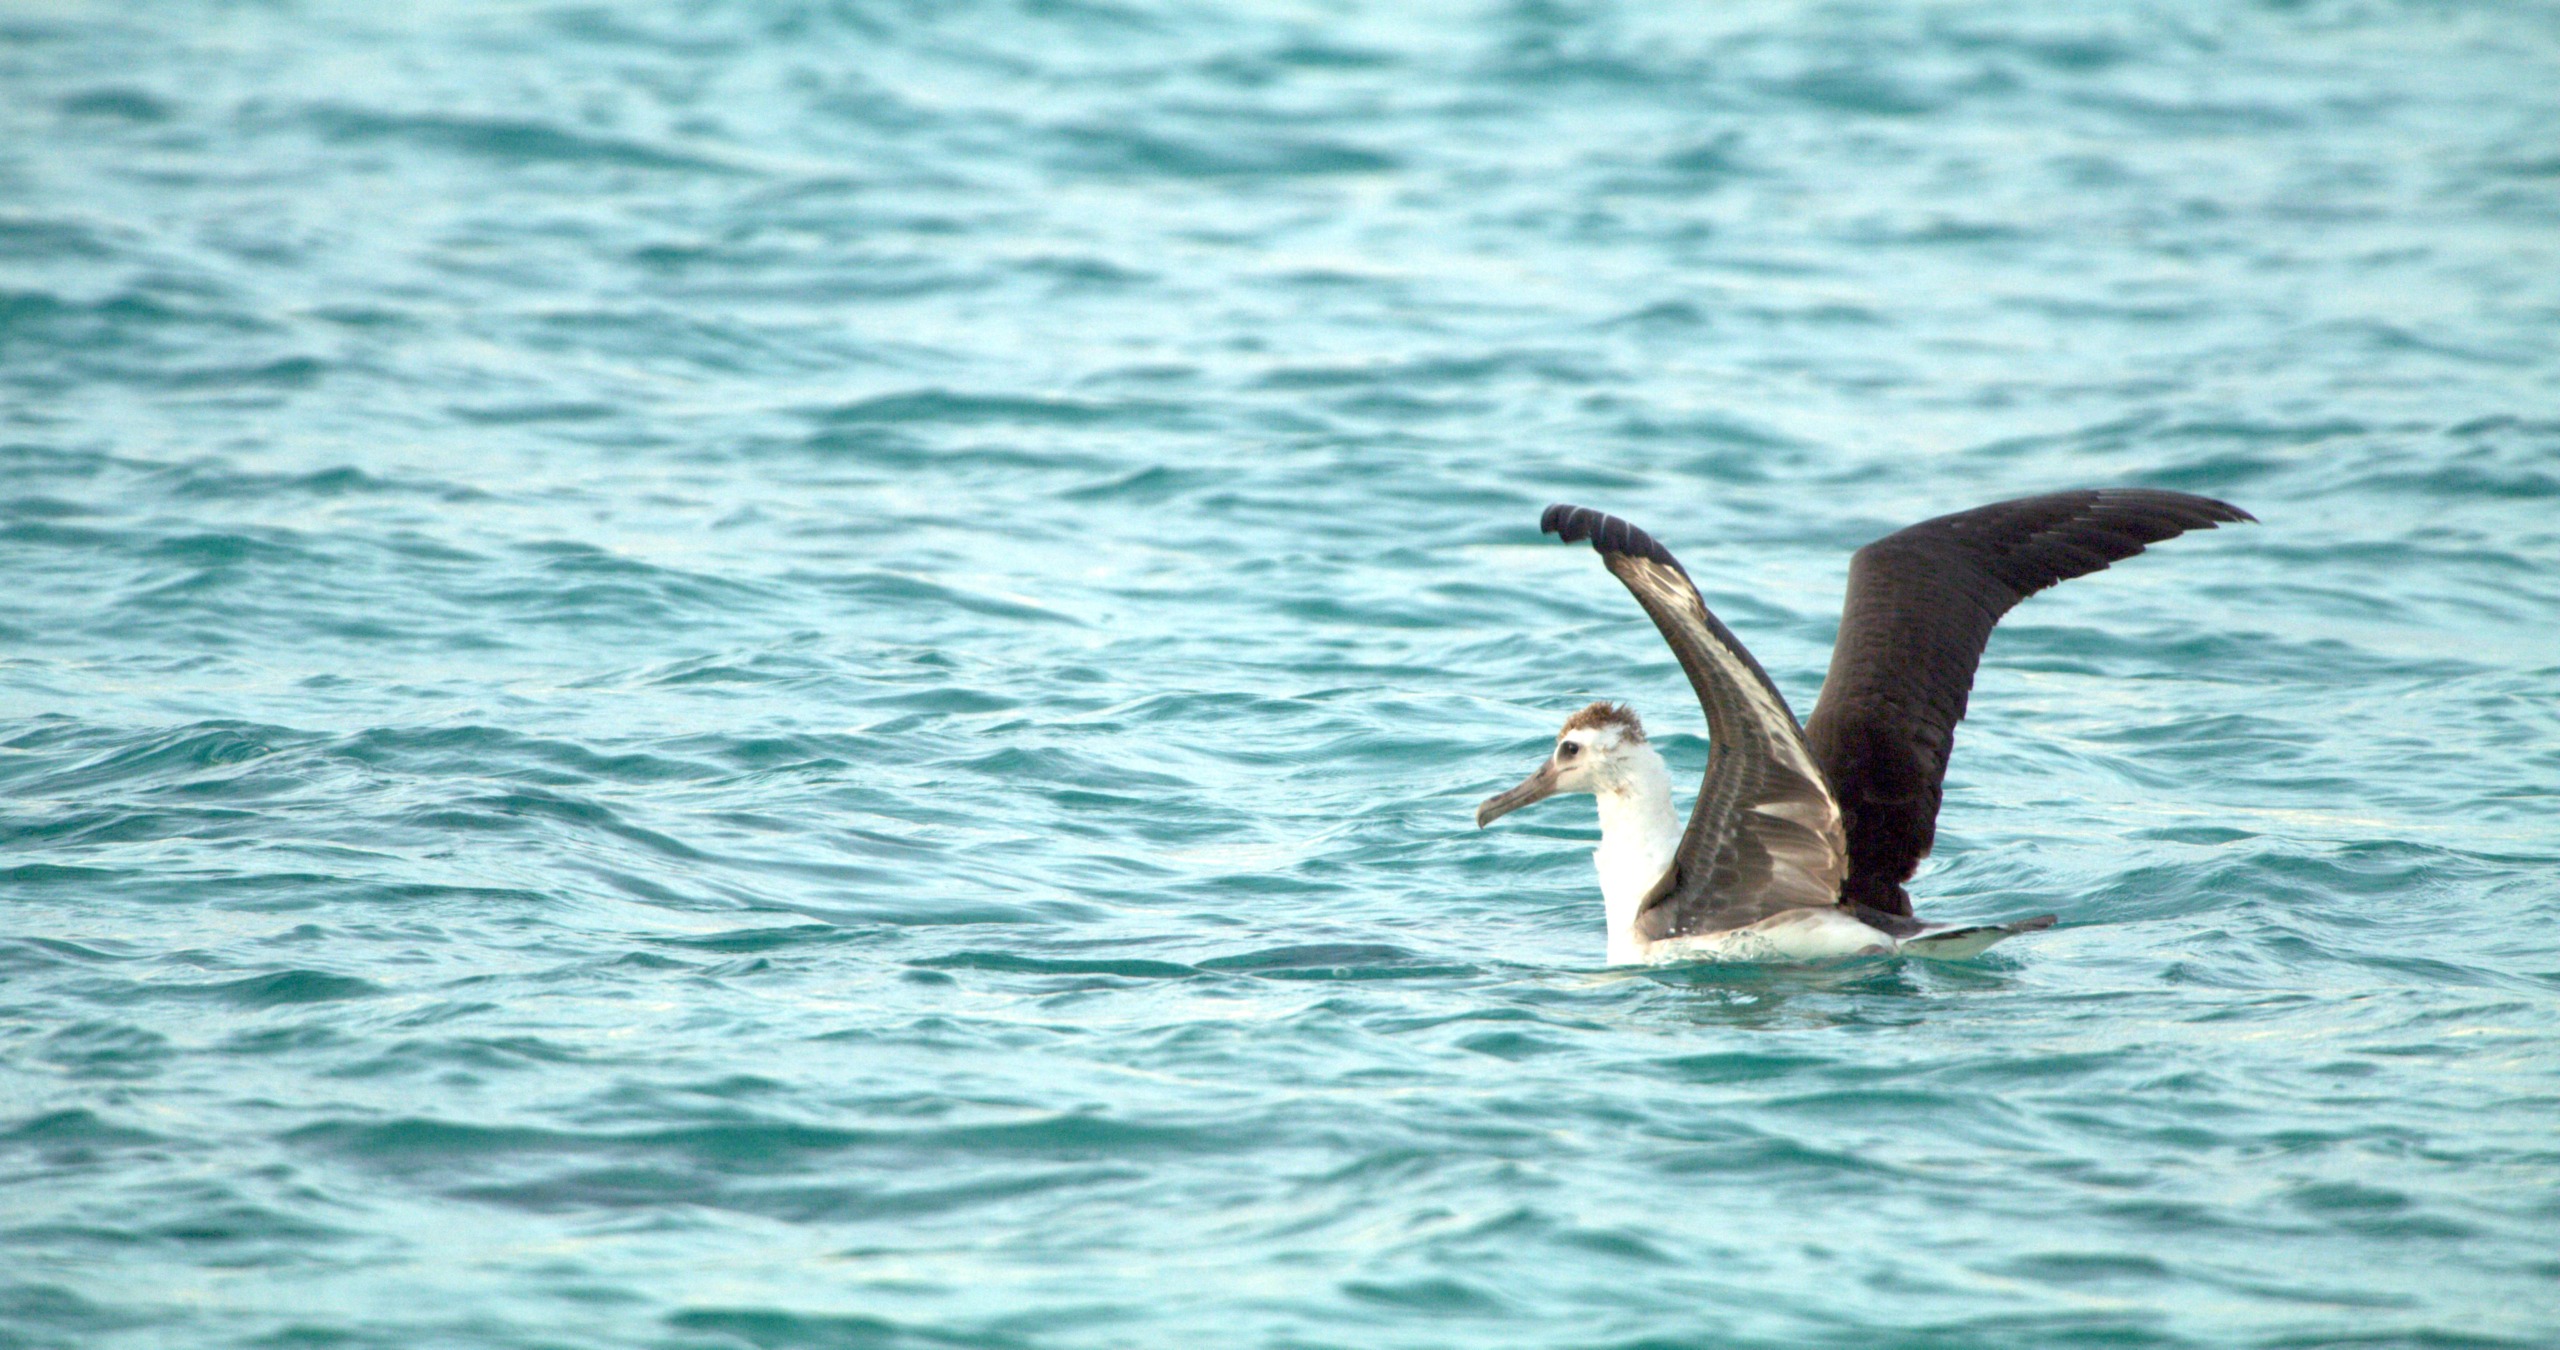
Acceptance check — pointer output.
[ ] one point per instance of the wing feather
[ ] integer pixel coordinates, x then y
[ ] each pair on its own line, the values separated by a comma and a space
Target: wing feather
1922, 603
1765, 834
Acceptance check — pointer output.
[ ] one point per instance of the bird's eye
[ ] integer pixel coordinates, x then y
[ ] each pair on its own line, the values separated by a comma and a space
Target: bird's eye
1568, 750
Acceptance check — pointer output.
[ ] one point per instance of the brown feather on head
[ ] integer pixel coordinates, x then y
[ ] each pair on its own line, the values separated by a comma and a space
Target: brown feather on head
1605, 714
1571, 770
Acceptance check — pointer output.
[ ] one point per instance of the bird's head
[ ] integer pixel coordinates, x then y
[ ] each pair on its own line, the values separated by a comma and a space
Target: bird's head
1597, 751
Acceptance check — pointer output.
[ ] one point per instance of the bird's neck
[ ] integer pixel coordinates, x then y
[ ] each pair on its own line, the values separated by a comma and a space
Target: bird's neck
1638, 838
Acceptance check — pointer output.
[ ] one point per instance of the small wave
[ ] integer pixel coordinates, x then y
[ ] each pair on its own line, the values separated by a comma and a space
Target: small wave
37, 240
78, 1129
929, 407
1014, 964
276, 989
166, 758
124, 105
506, 140
1121, 150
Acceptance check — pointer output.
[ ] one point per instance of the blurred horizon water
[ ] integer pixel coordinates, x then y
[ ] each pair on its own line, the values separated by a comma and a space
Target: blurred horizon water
784, 674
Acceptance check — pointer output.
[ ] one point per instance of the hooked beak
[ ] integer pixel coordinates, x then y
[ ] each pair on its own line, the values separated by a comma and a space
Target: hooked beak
1537, 787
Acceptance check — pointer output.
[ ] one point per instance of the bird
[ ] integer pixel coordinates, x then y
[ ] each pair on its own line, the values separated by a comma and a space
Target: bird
1802, 836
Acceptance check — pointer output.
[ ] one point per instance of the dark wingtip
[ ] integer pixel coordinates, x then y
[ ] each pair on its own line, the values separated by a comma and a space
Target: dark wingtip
2189, 510
2218, 512
1607, 533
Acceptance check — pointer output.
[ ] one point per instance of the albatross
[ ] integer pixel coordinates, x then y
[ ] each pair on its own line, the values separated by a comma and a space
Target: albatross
1802, 836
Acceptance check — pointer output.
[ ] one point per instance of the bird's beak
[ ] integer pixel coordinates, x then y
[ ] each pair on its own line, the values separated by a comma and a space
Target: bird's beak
1537, 787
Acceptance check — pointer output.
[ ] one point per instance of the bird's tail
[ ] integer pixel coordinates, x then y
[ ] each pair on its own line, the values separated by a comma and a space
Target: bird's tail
1957, 944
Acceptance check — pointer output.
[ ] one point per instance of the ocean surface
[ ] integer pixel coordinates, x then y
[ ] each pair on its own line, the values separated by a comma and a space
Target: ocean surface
781, 674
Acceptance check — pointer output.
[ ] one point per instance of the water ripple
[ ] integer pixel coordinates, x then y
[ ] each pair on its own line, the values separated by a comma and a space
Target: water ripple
794, 675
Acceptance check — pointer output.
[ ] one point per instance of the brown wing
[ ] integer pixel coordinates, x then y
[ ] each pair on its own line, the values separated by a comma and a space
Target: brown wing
1922, 602
1764, 835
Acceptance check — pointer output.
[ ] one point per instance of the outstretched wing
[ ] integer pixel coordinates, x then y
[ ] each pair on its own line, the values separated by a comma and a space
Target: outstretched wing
1764, 835
1922, 602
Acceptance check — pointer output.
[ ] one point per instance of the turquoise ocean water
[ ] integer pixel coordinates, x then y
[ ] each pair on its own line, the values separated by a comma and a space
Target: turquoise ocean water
788, 674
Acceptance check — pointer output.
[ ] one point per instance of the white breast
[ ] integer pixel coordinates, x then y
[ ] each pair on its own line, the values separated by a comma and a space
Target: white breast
1639, 836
